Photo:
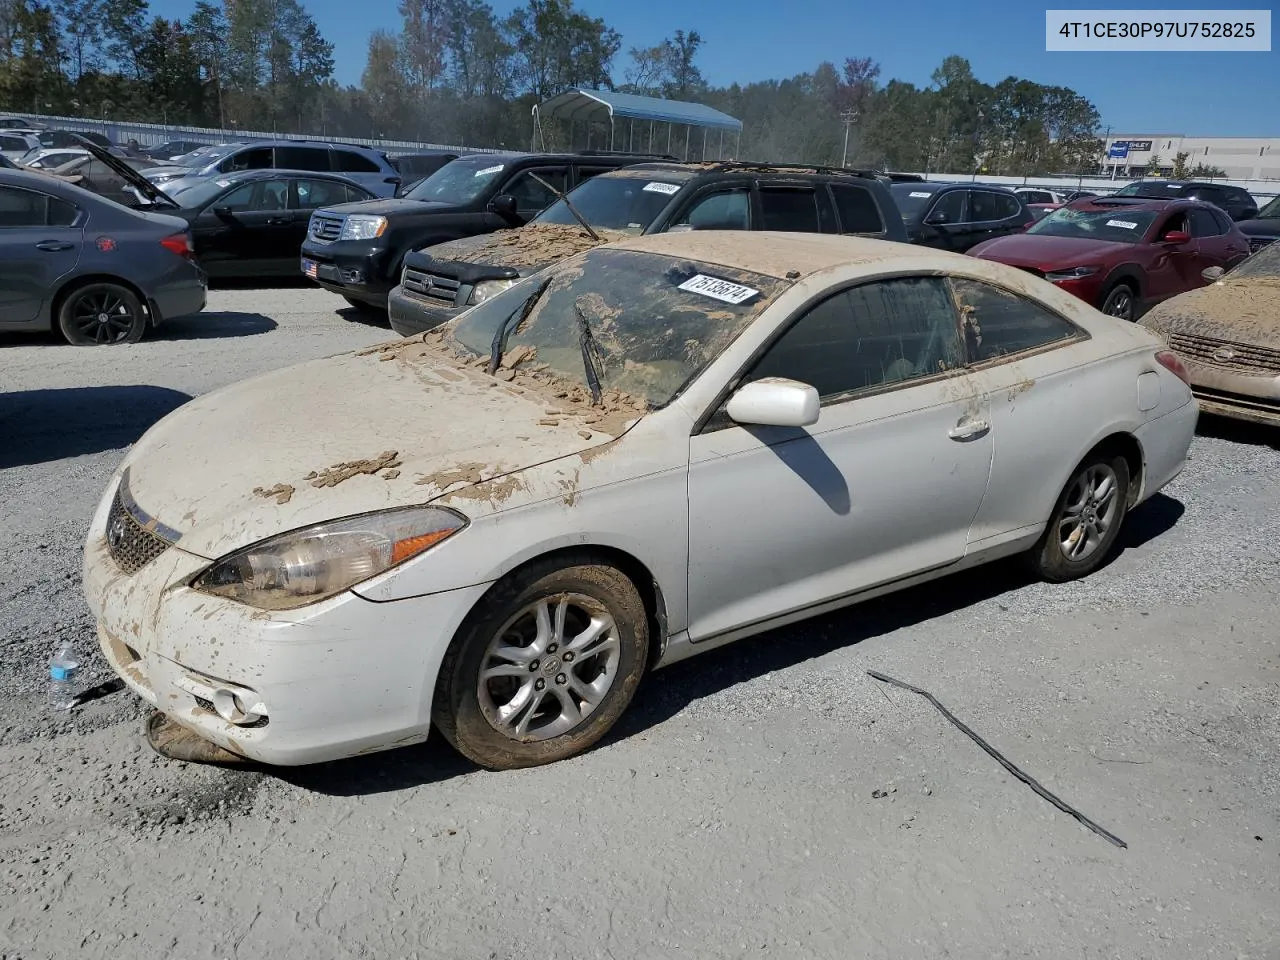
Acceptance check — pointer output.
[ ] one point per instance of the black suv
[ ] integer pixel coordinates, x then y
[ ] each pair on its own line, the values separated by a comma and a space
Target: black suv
957, 216
1236, 201
1264, 229
357, 249
444, 280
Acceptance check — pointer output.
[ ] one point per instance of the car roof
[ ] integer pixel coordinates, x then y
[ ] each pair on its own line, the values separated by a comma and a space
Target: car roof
242, 175
1141, 203
779, 254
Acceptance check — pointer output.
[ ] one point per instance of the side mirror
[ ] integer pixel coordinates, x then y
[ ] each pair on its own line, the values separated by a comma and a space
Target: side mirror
223, 213
1177, 237
1212, 274
937, 218
774, 402
504, 205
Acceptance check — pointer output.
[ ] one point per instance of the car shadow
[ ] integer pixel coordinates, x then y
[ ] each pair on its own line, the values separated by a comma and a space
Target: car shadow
667, 692
43, 425
213, 325
1238, 431
370, 318
298, 282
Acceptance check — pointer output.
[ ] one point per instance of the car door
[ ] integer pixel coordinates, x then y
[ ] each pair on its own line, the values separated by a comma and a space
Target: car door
946, 223
239, 234
1041, 406
40, 242
724, 207
1172, 266
1212, 245
883, 486
993, 215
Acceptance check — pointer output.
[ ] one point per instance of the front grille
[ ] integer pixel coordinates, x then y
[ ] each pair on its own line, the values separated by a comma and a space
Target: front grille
131, 545
429, 286
1257, 243
1238, 357
325, 228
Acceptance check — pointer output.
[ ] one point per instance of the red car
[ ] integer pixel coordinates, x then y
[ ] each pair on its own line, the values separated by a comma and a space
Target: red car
1124, 255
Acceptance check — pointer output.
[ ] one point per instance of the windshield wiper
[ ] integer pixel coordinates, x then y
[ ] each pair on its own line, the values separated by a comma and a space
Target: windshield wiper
572, 209
590, 353
517, 316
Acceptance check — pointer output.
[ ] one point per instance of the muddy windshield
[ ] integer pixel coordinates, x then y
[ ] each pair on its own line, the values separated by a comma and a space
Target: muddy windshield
1271, 211
644, 323
1117, 225
458, 181
1263, 265
625, 203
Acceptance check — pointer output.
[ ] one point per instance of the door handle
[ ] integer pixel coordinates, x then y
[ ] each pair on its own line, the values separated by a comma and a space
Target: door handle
277, 221
54, 246
968, 430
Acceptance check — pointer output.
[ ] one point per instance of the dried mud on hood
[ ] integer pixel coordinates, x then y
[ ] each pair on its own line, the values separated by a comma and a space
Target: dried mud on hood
1241, 311
527, 248
402, 424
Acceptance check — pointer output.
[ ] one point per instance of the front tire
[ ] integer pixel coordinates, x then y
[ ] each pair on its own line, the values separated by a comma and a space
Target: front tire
1086, 520
1121, 302
544, 666
102, 314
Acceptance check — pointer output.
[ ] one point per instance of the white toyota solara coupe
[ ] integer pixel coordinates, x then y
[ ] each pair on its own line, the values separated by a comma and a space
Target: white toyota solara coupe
646, 451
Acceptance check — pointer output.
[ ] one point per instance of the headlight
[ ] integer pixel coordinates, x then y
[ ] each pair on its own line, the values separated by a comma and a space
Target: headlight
490, 288
361, 226
1071, 273
312, 564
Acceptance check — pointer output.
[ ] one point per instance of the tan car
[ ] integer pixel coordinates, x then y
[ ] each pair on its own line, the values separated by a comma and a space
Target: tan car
1228, 336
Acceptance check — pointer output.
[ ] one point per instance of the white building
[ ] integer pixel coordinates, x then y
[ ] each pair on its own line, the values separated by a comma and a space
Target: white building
1240, 158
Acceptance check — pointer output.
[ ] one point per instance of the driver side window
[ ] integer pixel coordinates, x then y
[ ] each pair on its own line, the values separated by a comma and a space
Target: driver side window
1176, 223
951, 205
723, 210
870, 336
531, 196
261, 195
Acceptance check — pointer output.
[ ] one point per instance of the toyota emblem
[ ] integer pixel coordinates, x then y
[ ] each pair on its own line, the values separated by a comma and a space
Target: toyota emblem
115, 532
1224, 354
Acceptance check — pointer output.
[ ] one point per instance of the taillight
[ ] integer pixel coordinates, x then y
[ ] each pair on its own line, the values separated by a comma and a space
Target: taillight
1169, 360
179, 243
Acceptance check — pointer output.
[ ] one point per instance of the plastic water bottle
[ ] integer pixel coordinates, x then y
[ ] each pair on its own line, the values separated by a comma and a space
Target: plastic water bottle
64, 669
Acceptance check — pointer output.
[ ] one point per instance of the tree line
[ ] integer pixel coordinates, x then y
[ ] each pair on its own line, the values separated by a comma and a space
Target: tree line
457, 73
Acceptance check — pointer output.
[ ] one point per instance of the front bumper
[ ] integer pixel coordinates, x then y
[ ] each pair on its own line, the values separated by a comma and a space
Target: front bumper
410, 315
1237, 395
337, 678
361, 272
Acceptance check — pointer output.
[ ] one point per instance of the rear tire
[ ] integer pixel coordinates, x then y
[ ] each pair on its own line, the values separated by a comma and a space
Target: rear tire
1086, 519
1121, 302
101, 314
544, 666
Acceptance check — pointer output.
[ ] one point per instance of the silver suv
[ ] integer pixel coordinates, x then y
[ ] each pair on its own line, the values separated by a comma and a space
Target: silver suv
369, 168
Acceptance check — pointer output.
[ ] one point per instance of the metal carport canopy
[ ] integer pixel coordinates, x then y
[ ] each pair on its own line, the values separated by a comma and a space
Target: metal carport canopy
585, 104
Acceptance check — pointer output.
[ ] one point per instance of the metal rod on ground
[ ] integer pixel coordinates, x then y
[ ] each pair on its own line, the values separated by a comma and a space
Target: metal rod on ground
1025, 778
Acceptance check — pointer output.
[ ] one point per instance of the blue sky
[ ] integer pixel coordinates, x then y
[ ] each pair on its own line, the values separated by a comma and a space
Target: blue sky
1197, 94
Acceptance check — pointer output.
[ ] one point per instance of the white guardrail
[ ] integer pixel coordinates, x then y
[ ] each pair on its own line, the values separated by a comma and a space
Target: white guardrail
153, 134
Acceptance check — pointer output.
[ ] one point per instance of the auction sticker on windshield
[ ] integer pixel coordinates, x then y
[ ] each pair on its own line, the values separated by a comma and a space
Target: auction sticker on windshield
667, 188
1127, 224
488, 170
718, 289
921, 194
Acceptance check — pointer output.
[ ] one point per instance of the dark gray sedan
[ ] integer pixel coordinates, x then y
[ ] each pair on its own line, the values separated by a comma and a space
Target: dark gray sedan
92, 269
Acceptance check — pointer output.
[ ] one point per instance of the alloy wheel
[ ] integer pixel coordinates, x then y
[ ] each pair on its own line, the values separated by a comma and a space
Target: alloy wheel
1089, 512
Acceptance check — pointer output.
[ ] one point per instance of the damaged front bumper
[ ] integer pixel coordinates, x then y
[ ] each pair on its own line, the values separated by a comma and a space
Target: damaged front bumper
333, 679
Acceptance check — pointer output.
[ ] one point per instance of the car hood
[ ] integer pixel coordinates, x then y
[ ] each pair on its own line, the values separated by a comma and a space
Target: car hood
1243, 310
148, 190
1046, 253
391, 426
526, 249
1260, 227
392, 207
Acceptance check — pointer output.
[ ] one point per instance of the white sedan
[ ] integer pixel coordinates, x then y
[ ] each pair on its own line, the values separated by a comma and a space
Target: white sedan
647, 451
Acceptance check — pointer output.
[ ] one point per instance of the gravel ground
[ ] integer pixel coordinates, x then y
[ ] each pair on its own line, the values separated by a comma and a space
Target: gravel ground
766, 799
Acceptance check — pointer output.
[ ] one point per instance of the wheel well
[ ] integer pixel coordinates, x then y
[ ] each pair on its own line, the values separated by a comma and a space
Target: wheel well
1128, 447
650, 593
1122, 275
71, 286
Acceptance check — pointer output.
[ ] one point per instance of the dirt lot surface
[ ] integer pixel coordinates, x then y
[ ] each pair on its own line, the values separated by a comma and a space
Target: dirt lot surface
765, 800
